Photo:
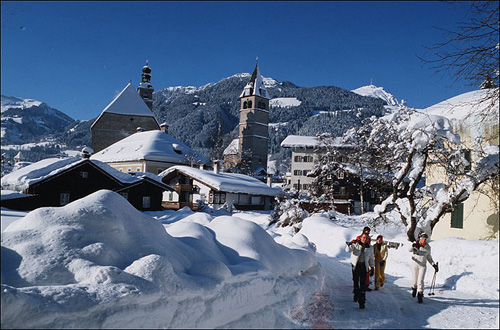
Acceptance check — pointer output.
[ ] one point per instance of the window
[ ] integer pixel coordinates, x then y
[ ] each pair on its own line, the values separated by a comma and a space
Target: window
211, 197
305, 186
63, 198
297, 159
170, 196
129, 169
467, 156
222, 198
256, 200
457, 217
342, 190
124, 195
138, 169
146, 202
83, 175
216, 199
245, 105
297, 172
308, 159
340, 174
249, 104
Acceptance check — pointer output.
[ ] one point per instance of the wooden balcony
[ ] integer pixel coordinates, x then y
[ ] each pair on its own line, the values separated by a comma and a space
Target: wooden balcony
184, 187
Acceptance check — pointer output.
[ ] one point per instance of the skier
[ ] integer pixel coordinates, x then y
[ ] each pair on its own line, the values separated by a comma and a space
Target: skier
380, 252
421, 252
361, 264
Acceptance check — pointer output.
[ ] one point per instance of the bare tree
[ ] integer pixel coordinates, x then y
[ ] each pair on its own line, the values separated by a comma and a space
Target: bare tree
472, 52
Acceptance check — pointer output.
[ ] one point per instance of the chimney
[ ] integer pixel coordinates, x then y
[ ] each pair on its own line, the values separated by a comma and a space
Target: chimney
86, 152
269, 180
216, 166
164, 127
202, 166
140, 129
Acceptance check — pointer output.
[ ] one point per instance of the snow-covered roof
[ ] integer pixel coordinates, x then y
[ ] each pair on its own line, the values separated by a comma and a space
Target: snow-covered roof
11, 194
149, 145
36, 172
292, 141
460, 107
227, 182
128, 102
255, 85
232, 148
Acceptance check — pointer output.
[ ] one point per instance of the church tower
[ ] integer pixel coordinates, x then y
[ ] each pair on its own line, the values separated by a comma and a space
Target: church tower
254, 121
145, 89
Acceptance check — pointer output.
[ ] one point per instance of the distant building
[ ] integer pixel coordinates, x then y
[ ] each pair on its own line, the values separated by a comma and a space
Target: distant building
253, 134
217, 190
151, 151
129, 111
307, 152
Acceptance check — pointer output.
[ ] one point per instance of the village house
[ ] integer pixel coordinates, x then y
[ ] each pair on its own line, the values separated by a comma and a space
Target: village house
194, 187
59, 181
150, 151
307, 152
478, 216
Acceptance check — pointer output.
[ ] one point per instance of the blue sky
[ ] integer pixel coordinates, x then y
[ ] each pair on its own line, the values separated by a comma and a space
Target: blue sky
76, 56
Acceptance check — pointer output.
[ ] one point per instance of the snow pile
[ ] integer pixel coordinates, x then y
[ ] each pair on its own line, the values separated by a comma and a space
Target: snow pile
284, 102
99, 263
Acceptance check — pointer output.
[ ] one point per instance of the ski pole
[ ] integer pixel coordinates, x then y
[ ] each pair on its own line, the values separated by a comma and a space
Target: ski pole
433, 285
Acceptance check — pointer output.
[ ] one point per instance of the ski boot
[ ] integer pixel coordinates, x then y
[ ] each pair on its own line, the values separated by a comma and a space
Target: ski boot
361, 300
413, 292
420, 297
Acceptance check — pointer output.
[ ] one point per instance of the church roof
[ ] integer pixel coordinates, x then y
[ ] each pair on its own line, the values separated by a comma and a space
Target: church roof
255, 85
152, 145
128, 102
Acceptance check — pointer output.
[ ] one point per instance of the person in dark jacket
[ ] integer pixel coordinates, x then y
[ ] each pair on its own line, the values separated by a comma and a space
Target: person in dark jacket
362, 262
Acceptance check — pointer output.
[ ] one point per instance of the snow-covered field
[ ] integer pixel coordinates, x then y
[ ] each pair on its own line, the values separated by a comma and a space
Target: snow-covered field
99, 263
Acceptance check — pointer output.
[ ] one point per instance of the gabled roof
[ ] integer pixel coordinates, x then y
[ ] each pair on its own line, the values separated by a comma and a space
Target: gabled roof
149, 145
292, 141
225, 182
255, 85
51, 167
232, 148
128, 102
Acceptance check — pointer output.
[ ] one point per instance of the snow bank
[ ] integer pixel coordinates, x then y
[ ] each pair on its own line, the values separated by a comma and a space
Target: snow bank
99, 263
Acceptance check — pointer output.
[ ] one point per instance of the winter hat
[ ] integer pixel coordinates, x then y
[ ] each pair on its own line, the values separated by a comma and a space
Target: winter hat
380, 236
366, 229
422, 235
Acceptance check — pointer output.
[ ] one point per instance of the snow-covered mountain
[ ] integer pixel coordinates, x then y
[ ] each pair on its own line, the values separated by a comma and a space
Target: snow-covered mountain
28, 120
377, 92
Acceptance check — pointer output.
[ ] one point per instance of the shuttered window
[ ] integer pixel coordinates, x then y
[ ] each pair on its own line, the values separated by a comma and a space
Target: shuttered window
457, 216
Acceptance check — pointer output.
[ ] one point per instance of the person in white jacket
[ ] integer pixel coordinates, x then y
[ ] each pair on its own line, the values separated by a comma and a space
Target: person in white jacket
362, 261
421, 254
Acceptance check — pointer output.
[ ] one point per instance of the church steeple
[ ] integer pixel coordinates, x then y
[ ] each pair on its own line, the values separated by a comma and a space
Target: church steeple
145, 88
254, 121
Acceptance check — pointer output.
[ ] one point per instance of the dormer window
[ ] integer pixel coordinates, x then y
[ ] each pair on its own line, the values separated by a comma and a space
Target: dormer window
177, 148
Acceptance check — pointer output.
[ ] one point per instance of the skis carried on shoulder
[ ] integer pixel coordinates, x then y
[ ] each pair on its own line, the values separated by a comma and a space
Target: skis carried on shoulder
394, 245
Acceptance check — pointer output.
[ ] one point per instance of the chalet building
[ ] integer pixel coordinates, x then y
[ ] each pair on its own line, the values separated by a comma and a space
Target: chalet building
306, 153
195, 186
477, 218
59, 181
150, 151
128, 111
253, 134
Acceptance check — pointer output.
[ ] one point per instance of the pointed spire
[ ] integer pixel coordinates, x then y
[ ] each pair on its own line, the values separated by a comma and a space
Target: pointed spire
255, 85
